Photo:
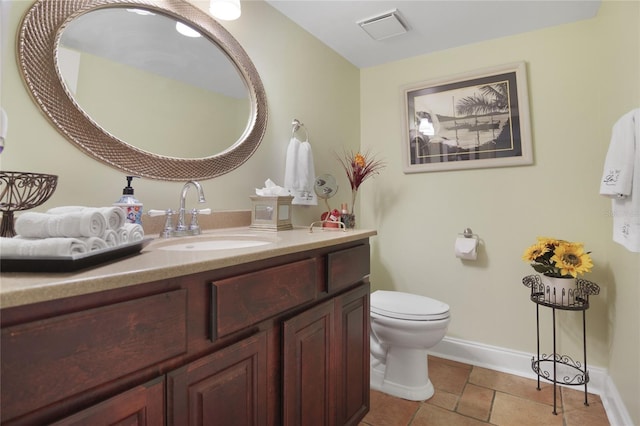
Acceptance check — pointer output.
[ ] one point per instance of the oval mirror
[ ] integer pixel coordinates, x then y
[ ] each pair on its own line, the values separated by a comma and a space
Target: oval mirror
125, 87
178, 85
325, 188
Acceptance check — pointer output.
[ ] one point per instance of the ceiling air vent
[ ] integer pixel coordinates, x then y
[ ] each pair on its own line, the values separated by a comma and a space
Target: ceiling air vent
386, 25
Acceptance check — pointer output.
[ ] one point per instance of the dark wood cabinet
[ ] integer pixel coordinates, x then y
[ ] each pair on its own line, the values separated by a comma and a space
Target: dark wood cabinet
326, 359
309, 367
270, 342
228, 387
140, 406
352, 365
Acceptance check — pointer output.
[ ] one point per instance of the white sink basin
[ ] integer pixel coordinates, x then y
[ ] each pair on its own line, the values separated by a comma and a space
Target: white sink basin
208, 244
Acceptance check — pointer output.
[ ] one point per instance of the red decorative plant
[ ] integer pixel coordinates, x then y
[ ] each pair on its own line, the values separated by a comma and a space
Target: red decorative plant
359, 167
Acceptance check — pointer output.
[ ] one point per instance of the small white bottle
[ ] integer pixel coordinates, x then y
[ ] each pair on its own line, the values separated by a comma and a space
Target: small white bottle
345, 217
131, 206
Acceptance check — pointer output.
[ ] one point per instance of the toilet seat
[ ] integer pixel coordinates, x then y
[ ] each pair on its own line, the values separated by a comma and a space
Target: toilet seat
399, 305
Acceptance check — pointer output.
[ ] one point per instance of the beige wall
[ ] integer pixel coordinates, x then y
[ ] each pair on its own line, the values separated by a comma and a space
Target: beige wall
578, 87
303, 79
618, 26
582, 77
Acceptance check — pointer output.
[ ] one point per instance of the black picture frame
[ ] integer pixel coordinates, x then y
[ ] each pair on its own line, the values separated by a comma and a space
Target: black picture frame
478, 119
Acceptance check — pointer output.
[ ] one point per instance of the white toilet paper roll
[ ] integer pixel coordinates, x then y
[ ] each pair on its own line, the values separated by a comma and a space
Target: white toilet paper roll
466, 248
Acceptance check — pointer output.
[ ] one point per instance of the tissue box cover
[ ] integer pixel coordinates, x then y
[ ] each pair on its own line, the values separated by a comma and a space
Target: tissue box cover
271, 213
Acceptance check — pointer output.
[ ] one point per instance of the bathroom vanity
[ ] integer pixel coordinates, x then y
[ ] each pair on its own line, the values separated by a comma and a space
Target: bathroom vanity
270, 335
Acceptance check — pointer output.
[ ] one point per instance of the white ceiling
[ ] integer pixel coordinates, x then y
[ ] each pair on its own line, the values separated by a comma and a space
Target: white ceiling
433, 24
150, 42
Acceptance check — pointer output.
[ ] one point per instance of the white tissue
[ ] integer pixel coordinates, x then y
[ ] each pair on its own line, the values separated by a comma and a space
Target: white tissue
466, 248
272, 190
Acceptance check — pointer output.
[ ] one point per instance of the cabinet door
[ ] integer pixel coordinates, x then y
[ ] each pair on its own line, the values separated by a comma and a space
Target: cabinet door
142, 405
352, 325
82, 351
308, 367
228, 387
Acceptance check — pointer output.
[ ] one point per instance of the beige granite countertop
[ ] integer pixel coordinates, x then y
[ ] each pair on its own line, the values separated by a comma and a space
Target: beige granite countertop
152, 264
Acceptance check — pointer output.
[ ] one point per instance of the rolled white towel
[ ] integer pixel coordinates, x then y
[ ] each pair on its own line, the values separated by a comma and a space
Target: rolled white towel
65, 209
42, 247
122, 235
94, 243
134, 232
110, 237
115, 216
75, 224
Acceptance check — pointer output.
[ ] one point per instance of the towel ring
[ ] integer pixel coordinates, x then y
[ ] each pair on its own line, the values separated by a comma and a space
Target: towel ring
296, 126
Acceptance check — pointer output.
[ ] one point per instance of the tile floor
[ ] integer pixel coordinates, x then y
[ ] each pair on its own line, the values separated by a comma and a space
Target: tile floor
473, 396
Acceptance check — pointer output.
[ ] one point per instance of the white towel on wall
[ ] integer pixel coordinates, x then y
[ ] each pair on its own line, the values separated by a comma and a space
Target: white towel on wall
4, 125
299, 174
306, 170
291, 178
621, 180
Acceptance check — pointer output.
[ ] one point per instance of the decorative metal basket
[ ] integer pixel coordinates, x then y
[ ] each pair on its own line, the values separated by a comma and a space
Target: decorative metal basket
22, 191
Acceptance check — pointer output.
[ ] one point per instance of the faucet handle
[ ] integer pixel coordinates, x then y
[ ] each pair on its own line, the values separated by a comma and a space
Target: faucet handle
194, 227
168, 226
154, 213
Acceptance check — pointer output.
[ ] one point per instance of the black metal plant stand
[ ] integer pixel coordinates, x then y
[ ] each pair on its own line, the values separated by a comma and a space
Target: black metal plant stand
572, 300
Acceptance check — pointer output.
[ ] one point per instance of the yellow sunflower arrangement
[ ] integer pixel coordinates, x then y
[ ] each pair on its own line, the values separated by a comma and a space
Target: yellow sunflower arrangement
558, 258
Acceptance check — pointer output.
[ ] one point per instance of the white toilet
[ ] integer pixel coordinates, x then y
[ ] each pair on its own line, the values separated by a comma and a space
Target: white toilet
403, 327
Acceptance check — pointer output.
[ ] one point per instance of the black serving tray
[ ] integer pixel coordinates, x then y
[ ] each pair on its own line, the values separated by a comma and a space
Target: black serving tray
71, 263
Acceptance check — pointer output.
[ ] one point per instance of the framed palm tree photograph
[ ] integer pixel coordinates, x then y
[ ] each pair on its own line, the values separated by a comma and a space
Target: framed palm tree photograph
474, 120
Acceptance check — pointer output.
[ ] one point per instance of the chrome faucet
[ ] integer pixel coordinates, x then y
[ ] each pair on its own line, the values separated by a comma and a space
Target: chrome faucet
181, 227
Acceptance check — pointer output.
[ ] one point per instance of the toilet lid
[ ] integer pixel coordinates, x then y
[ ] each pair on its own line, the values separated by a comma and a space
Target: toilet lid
396, 304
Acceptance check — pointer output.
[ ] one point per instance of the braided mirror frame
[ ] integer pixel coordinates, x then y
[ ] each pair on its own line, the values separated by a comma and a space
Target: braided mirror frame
40, 33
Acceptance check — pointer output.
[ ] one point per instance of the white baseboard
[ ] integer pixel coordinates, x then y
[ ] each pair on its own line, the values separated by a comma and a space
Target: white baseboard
519, 364
616, 410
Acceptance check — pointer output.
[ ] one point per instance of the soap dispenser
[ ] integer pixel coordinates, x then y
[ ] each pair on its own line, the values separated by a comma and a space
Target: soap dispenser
131, 206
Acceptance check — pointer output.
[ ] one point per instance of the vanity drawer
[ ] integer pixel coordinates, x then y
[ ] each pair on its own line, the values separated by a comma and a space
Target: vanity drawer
49, 360
247, 299
347, 267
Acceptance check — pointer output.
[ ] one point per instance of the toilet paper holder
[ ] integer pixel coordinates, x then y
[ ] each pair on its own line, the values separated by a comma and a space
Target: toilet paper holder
468, 233
466, 245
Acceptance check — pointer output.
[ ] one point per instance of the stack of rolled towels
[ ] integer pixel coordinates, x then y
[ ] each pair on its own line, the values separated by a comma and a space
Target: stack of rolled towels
70, 230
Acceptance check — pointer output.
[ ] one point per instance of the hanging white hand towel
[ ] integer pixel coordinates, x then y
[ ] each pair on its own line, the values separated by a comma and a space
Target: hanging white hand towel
621, 180
4, 126
291, 178
305, 193
299, 173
